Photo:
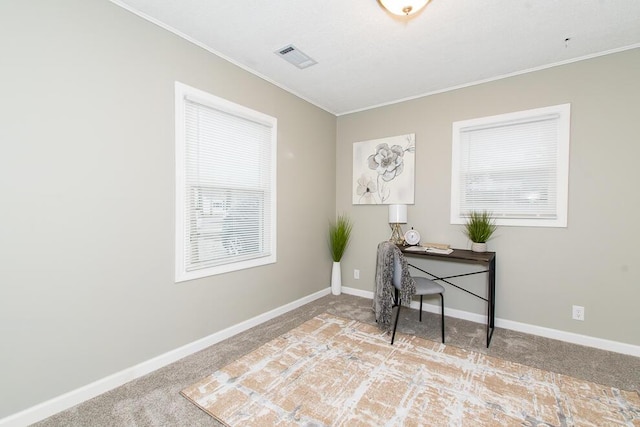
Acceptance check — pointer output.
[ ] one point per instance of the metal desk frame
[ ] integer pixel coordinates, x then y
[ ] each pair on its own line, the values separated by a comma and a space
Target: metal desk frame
487, 259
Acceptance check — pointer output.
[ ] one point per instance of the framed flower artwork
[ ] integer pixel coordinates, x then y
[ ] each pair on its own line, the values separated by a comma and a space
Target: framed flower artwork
384, 171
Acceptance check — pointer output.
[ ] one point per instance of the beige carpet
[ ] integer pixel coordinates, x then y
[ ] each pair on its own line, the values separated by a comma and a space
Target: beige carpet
339, 372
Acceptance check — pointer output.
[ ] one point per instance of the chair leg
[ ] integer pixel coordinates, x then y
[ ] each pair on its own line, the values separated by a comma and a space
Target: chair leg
421, 308
395, 325
442, 311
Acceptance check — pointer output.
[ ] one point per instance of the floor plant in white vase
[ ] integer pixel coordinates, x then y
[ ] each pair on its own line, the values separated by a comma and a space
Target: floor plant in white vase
339, 235
479, 228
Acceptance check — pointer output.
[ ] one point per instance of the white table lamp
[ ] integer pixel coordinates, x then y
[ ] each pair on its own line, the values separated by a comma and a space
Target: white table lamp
397, 216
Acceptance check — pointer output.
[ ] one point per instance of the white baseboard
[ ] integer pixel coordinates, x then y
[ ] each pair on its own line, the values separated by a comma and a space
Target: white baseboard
357, 292
615, 346
570, 337
60, 403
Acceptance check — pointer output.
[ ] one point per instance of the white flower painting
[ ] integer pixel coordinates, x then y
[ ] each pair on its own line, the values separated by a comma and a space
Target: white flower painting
384, 171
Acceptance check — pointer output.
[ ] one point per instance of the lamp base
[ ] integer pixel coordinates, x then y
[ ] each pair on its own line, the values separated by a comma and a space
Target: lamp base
397, 237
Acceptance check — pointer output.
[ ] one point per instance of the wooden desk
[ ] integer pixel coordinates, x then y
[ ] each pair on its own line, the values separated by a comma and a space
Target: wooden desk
486, 259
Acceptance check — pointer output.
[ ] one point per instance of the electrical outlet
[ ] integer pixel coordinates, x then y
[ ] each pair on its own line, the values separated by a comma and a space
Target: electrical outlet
578, 312
356, 274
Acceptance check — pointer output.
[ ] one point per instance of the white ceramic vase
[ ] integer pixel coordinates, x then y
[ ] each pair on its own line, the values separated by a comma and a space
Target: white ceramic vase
336, 279
478, 247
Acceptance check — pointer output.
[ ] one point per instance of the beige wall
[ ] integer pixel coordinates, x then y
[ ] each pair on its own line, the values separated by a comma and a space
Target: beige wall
541, 272
87, 193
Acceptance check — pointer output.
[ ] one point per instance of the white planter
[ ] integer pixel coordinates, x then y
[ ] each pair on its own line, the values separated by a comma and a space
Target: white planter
478, 247
336, 279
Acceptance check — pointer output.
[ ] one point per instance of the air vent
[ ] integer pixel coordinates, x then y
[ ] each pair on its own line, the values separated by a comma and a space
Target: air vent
295, 56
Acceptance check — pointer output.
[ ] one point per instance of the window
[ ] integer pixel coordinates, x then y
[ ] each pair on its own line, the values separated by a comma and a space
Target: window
225, 185
514, 165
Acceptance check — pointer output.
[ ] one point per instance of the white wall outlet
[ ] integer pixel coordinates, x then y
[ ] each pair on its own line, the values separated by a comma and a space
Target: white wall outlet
578, 312
356, 274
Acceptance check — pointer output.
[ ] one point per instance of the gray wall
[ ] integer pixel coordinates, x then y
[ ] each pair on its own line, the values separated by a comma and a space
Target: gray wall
541, 272
87, 190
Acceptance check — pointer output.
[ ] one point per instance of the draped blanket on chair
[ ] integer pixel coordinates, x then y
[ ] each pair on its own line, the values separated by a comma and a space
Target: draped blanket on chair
383, 293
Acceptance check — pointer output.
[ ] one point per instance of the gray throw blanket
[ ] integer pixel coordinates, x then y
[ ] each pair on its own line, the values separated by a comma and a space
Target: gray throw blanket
383, 294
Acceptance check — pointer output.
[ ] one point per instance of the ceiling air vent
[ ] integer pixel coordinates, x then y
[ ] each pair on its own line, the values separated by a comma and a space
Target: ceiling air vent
295, 56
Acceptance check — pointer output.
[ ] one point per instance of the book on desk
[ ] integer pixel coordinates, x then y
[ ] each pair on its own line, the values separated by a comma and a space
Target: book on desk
429, 249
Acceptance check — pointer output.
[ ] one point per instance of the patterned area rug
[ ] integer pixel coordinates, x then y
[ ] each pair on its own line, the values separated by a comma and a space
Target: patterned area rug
332, 371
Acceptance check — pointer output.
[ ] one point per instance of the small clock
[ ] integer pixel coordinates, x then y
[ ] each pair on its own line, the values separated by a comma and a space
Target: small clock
412, 237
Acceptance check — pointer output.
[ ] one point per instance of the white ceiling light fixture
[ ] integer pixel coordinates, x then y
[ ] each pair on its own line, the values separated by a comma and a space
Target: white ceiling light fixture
403, 7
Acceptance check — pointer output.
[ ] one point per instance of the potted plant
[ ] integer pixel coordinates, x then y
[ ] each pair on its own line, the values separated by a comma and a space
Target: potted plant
339, 235
479, 228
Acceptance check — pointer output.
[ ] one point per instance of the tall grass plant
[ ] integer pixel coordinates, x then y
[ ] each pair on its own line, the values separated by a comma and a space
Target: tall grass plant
339, 235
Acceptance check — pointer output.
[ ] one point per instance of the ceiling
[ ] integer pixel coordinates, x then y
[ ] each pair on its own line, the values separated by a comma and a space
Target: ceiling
367, 57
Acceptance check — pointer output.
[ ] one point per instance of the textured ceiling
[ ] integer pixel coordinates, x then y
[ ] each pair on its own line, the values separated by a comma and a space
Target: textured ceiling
366, 57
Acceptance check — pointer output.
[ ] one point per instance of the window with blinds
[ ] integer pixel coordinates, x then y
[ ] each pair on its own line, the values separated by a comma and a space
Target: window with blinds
225, 185
515, 166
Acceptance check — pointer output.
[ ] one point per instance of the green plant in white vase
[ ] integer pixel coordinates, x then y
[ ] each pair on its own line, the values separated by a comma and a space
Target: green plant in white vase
339, 235
479, 228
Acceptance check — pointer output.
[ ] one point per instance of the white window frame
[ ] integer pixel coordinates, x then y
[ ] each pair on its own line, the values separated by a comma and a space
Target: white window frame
184, 270
561, 114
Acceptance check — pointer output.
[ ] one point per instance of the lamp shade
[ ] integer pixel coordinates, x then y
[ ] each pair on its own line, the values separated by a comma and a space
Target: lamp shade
403, 7
397, 214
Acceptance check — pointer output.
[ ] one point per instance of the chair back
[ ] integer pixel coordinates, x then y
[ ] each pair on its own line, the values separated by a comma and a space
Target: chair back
397, 269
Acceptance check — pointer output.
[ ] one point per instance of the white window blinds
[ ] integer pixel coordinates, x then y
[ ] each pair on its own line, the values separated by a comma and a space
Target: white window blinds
227, 204
514, 166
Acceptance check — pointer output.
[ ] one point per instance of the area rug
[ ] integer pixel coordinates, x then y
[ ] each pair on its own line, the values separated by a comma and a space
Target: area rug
332, 371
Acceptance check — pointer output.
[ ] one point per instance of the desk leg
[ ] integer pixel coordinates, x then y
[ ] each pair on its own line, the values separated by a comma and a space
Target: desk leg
491, 313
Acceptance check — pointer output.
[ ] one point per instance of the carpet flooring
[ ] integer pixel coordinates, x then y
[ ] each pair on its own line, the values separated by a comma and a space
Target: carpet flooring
155, 399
